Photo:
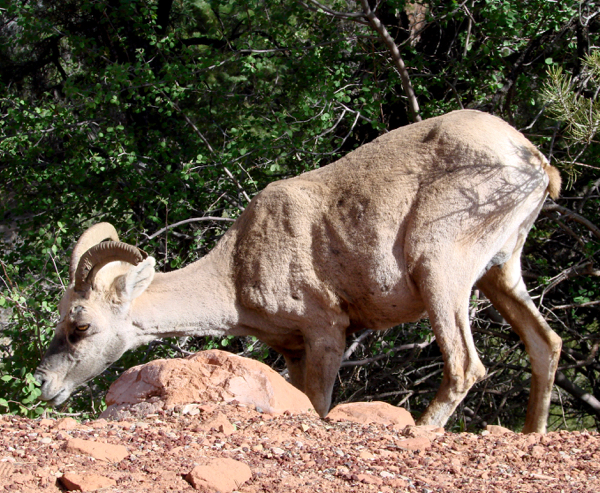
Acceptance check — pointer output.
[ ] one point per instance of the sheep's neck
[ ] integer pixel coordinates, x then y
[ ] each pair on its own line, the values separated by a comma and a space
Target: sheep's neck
195, 301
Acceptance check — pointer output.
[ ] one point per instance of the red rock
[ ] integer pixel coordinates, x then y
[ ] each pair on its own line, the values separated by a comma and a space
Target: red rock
6, 469
97, 450
61, 435
222, 475
538, 451
67, 424
369, 479
417, 443
207, 377
85, 482
428, 431
99, 423
497, 430
398, 483
372, 412
365, 454
219, 423
20, 478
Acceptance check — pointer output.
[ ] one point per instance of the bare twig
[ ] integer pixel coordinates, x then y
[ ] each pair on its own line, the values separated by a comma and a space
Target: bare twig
404, 347
569, 214
385, 36
469, 27
186, 221
339, 15
564, 383
396, 58
189, 122
385, 395
588, 361
57, 271
237, 183
576, 305
574, 271
354, 346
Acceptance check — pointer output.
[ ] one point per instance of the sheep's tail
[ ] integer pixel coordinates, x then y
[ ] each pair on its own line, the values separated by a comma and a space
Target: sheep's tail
555, 180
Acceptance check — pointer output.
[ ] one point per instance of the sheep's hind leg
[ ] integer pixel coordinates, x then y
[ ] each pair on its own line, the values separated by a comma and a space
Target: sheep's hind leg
449, 317
505, 288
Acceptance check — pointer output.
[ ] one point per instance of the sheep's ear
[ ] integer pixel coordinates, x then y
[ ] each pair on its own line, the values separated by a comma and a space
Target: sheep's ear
135, 282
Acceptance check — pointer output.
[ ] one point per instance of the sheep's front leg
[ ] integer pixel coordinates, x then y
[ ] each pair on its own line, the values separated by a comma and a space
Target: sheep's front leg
462, 366
296, 364
447, 302
324, 352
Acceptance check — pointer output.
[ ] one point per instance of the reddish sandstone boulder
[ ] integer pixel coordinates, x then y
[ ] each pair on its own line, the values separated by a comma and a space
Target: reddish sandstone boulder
85, 482
205, 377
98, 450
497, 430
372, 412
221, 475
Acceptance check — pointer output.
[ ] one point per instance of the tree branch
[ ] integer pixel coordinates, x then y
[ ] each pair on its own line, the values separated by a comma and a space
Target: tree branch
339, 15
569, 273
564, 383
385, 36
376, 24
186, 221
350, 351
576, 305
404, 347
569, 214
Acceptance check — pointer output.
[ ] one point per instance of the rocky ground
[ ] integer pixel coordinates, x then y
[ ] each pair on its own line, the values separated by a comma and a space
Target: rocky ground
218, 422
232, 447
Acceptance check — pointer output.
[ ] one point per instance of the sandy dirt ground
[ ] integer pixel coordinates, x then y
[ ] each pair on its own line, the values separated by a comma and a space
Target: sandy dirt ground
286, 453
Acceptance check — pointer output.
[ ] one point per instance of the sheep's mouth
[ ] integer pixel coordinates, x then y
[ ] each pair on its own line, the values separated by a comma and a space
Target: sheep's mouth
49, 393
58, 398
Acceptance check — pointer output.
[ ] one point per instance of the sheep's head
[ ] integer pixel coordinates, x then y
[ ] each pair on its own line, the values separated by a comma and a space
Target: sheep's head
95, 326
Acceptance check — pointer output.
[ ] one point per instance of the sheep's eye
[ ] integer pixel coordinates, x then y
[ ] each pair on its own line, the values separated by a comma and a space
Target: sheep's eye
82, 328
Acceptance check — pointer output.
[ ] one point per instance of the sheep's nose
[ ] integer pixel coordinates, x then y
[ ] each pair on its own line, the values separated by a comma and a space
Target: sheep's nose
39, 377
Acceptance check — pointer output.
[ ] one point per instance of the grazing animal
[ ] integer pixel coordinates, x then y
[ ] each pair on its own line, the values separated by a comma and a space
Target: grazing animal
399, 229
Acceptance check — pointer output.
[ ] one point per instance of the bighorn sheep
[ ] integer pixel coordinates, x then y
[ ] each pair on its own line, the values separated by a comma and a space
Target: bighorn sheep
398, 229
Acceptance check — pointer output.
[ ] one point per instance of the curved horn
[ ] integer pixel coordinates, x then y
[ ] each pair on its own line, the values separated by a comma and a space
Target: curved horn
100, 255
90, 237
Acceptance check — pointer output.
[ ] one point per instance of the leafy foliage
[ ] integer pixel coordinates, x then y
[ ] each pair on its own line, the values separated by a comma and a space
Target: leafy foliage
581, 114
165, 118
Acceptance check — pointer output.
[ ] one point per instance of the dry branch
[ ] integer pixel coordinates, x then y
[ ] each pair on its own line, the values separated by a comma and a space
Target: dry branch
569, 214
385, 36
564, 383
186, 221
396, 58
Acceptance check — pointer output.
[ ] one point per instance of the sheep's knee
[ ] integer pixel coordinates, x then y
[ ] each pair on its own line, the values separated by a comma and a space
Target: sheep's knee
476, 372
555, 343
459, 380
